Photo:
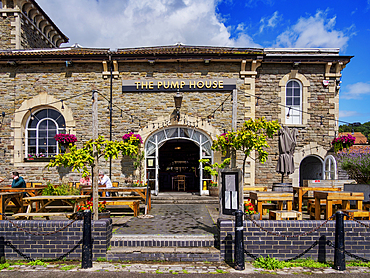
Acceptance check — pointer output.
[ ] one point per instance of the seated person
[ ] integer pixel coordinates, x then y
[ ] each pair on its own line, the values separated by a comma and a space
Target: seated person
105, 180
86, 181
18, 182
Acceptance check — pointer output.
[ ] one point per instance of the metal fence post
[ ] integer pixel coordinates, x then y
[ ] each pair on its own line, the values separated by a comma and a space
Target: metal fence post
239, 241
2, 250
339, 257
321, 256
86, 244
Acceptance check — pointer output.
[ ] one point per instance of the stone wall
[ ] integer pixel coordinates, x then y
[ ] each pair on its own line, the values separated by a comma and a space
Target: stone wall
54, 245
267, 86
30, 37
147, 112
262, 243
5, 32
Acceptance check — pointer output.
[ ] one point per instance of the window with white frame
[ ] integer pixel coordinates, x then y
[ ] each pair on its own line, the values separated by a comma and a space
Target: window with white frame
293, 102
41, 128
330, 168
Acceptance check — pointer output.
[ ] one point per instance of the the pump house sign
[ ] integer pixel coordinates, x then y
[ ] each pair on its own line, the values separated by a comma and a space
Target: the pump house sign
174, 85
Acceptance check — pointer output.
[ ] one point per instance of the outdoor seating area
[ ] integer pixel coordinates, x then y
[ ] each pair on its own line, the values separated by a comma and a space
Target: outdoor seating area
30, 202
317, 200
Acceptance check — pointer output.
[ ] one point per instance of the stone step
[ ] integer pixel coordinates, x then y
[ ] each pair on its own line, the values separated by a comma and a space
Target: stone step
128, 240
172, 254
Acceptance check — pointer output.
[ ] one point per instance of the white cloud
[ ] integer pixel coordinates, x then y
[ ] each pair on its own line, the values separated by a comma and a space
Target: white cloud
313, 31
345, 113
270, 22
132, 23
356, 91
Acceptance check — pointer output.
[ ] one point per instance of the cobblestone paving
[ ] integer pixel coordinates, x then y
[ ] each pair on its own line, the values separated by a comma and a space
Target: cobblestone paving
172, 219
179, 268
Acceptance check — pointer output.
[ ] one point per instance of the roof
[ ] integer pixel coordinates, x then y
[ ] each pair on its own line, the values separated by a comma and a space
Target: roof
177, 52
64, 37
360, 138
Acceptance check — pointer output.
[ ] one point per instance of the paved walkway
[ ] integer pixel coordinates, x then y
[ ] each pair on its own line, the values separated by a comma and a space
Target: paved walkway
172, 219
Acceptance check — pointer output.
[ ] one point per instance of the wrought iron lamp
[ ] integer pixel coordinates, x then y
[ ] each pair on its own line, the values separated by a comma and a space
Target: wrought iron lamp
178, 101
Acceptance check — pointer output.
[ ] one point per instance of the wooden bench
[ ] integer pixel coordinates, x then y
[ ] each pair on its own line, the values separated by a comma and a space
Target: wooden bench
47, 215
285, 215
311, 207
119, 201
357, 213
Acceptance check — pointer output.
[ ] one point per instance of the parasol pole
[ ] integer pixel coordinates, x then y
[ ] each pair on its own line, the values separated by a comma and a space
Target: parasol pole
96, 158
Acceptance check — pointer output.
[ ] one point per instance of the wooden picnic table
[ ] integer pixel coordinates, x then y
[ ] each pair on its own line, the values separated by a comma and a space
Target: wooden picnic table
302, 190
7, 197
44, 205
330, 196
258, 198
31, 191
142, 191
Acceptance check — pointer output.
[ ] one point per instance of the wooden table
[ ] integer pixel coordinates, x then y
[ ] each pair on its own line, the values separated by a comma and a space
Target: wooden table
258, 198
301, 190
6, 197
330, 196
142, 191
30, 191
43, 205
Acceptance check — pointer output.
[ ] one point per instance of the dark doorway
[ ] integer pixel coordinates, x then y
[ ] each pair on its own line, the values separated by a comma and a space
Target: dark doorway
310, 169
179, 157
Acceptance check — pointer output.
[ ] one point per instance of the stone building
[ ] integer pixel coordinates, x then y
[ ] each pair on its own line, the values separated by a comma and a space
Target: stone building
45, 89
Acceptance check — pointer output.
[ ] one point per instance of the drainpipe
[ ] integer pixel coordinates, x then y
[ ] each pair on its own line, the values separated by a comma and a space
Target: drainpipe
110, 109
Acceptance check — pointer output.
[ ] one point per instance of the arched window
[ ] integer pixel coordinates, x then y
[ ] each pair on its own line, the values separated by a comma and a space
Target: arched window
330, 168
41, 128
293, 102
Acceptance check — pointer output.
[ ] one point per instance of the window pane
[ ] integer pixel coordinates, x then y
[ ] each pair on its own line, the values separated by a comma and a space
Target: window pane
289, 92
31, 133
42, 134
31, 150
33, 123
41, 114
61, 122
53, 114
289, 101
32, 142
43, 125
297, 92
297, 101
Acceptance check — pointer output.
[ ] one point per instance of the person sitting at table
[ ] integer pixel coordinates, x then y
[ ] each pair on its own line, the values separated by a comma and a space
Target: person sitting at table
18, 182
85, 181
105, 180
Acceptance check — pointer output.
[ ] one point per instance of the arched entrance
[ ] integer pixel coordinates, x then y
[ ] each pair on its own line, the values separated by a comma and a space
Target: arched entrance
311, 168
177, 150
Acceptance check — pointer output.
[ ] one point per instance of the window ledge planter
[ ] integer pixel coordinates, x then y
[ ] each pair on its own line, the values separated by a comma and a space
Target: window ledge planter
38, 159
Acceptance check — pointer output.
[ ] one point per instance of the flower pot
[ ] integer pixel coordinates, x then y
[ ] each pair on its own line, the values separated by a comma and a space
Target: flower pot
213, 191
104, 214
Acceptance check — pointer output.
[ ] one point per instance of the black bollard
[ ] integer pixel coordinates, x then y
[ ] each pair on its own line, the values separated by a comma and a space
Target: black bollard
239, 242
339, 257
321, 256
2, 250
87, 244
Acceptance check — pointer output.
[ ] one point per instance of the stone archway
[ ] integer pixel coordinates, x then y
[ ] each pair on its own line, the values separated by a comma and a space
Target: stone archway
311, 168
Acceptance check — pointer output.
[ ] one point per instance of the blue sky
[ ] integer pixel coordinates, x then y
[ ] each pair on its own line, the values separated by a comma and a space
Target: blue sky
250, 23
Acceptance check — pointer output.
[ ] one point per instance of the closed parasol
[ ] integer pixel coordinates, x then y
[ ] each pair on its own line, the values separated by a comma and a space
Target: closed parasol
287, 143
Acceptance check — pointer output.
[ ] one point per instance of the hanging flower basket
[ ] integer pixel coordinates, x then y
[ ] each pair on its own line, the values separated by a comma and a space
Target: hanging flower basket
343, 142
132, 138
64, 140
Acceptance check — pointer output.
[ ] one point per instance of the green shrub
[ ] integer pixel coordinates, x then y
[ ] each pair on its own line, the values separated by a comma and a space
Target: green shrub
59, 190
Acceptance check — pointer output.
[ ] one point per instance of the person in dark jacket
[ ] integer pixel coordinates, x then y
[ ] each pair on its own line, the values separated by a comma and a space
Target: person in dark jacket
18, 182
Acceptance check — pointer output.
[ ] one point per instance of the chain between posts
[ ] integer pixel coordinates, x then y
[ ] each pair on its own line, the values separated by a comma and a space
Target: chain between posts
290, 236
329, 243
77, 217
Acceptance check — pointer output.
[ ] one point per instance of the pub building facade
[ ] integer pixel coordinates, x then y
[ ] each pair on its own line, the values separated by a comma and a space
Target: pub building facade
46, 89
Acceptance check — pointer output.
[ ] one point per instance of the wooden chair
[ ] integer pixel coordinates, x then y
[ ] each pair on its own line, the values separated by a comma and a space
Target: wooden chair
77, 184
115, 184
28, 184
36, 184
180, 182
